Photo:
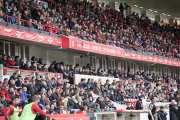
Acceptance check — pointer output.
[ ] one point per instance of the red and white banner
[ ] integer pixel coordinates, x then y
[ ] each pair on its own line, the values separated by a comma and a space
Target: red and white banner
151, 59
78, 44
30, 36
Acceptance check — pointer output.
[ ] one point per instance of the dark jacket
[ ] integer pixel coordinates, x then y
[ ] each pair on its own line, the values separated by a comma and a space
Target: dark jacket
38, 83
162, 115
35, 14
139, 105
178, 113
173, 111
130, 108
26, 67
33, 68
18, 83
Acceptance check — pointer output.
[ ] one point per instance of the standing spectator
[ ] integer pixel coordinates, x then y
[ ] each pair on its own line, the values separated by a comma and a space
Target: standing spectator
139, 105
173, 110
161, 114
121, 8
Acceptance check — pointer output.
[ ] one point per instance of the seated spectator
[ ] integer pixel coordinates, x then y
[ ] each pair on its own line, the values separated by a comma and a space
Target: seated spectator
97, 108
5, 93
2, 98
21, 63
33, 66
12, 19
10, 62
24, 95
129, 107
26, 66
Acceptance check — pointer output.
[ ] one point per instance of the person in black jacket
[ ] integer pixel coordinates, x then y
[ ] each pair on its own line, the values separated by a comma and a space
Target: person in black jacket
36, 14
26, 66
139, 105
173, 110
178, 113
129, 107
18, 81
161, 114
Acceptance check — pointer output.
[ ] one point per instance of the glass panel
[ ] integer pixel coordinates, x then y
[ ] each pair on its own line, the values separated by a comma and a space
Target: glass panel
113, 64
27, 52
116, 65
100, 63
91, 61
1, 48
12, 49
94, 62
6, 49
22, 53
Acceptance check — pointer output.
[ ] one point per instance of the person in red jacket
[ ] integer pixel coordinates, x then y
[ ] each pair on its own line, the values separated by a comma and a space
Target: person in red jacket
10, 62
5, 93
5, 109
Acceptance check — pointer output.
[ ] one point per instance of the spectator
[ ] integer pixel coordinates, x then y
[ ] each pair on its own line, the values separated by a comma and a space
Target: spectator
5, 93
3, 102
24, 95
33, 66
139, 105
10, 62
129, 107
173, 110
17, 61
21, 63
161, 114
26, 66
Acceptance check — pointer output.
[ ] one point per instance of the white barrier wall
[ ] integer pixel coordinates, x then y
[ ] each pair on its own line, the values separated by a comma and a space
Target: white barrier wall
78, 77
8, 72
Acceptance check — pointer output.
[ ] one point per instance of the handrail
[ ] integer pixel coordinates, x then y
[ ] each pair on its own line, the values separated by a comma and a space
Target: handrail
25, 70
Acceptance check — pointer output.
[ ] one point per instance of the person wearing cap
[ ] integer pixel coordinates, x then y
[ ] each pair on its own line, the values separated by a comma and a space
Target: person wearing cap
161, 114
82, 84
13, 112
18, 80
10, 62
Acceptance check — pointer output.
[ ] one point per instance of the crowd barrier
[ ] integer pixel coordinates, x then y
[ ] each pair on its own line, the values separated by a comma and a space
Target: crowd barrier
7, 72
102, 80
78, 77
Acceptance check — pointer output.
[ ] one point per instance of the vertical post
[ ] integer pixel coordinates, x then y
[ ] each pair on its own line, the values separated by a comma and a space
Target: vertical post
1, 72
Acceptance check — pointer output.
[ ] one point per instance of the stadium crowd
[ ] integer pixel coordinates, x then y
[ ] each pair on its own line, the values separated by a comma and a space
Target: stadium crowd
57, 96
97, 24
